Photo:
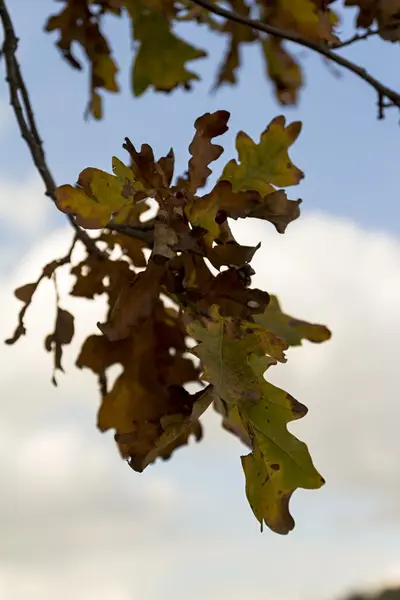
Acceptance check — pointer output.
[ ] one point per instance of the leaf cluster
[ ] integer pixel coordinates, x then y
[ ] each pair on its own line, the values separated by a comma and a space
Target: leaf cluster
181, 307
161, 56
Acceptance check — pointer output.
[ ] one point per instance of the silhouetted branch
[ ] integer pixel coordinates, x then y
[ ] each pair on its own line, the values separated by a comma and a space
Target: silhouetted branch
356, 38
324, 50
20, 101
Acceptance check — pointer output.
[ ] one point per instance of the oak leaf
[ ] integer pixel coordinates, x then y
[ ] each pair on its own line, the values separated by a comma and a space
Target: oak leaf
238, 34
148, 397
135, 303
283, 70
386, 13
162, 56
267, 163
62, 335
292, 330
98, 195
235, 355
203, 151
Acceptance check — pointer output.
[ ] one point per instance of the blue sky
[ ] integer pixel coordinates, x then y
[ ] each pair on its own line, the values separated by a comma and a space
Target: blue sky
77, 522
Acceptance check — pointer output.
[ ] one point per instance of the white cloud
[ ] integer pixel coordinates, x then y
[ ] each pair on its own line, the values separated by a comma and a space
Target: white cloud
24, 209
77, 522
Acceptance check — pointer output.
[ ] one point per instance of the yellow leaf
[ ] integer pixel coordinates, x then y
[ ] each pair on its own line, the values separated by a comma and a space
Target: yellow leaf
283, 70
98, 195
267, 163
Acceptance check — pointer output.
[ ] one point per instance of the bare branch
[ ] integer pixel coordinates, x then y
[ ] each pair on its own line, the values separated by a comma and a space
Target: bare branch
20, 101
382, 90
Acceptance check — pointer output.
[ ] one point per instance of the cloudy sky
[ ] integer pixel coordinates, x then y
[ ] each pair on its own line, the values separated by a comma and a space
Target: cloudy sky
75, 522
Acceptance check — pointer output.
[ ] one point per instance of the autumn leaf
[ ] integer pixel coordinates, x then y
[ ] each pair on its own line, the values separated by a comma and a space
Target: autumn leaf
147, 405
138, 265
98, 195
386, 13
62, 335
293, 331
238, 34
231, 254
135, 303
203, 151
267, 163
180, 427
311, 18
162, 56
211, 211
77, 24
235, 355
283, 70
150, 173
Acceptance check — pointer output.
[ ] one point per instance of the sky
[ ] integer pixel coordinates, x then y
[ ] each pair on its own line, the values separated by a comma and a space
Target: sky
75, 521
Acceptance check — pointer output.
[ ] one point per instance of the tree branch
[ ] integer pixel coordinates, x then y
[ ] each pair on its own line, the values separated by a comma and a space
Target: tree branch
382, 90
355, 38
20, 101
146, 234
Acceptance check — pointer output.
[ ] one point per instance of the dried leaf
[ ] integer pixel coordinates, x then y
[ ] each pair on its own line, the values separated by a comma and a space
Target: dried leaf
62, 335
203, 151
148, 407
386, 13
134, 304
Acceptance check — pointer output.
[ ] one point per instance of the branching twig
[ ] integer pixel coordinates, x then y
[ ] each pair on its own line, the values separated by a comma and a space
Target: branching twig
321, 49
356, 38
20, 101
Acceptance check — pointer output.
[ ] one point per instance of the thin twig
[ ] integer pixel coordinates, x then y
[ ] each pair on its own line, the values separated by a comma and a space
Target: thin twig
355, 38
146, 234
20, 101
382, 90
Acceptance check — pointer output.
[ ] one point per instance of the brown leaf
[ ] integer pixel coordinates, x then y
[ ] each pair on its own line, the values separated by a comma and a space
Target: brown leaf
62, 335
152, 174
25, 292
149, 393
385, 12
214, 208
203, 151
135, 303
238, 34
77, 24
231, 254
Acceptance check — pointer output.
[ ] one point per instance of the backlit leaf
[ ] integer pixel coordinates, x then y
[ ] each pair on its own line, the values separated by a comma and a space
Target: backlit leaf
265, 163
293, 331
283, 70
162, 56
98, 195
235, 355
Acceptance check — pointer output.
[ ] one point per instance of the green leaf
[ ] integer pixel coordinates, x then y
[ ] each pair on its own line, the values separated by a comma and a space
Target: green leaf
293, 331
267, 163
235, 354
162, 56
